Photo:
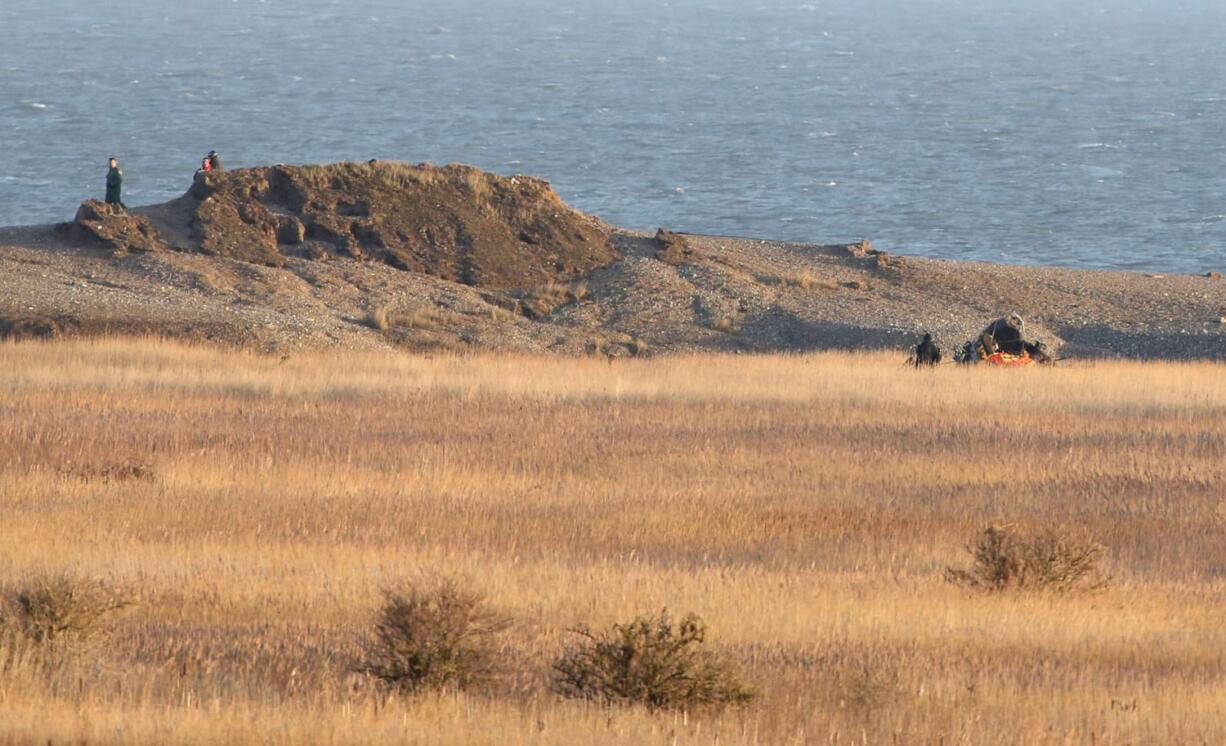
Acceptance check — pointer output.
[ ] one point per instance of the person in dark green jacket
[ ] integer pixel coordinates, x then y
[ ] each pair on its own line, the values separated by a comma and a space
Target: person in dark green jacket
114, 185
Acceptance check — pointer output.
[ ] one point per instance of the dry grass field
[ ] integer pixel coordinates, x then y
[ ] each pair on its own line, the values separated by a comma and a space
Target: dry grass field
253, 508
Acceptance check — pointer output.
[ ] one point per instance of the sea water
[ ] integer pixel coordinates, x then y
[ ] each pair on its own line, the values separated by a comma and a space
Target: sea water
1072, 132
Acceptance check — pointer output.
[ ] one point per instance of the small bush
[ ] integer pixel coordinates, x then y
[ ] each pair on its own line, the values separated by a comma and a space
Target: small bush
1003, 559
434, 636
59, 611
649, 661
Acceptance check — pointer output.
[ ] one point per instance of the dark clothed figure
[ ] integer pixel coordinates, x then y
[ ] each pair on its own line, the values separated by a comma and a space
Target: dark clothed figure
1006, 335
927, 352
114, 185
214, 161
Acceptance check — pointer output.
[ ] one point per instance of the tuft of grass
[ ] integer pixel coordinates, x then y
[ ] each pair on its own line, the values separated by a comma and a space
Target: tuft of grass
428, 318
501, 315
648, 661
424, 317
807, 280
1003, 559
435, 635
377, 319
539, 302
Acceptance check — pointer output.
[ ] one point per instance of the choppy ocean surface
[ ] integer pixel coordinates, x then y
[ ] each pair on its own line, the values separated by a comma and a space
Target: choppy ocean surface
1073, 133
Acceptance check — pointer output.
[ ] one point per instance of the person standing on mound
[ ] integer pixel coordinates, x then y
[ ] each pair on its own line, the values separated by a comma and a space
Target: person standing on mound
114, 185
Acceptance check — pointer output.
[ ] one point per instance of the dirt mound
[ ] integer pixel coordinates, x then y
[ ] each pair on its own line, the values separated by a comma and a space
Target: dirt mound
113, 228
454, 222
672, 248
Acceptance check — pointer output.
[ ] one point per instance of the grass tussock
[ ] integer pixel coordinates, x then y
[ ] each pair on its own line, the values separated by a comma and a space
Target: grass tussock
435, 635
808, 281
724, 322
650, 661
539, 302
378, 319
1004, 559
422, 318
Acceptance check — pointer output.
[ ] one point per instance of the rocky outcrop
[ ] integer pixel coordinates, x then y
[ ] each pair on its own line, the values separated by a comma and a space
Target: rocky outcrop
113, 228
454, 222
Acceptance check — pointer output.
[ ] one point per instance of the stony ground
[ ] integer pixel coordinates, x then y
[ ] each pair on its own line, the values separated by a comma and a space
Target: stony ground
729, 294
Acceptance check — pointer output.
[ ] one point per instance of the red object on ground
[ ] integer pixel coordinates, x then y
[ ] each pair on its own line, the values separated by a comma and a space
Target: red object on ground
1006, 360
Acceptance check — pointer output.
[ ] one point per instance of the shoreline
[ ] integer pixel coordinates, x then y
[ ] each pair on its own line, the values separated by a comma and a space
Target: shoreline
730, 294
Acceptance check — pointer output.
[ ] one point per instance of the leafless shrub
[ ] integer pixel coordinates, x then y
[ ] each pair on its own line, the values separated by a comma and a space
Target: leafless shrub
1004, 559
649, 661
59, 612
433, 636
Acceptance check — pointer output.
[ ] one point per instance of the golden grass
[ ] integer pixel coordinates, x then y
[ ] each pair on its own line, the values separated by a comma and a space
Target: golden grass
805, 506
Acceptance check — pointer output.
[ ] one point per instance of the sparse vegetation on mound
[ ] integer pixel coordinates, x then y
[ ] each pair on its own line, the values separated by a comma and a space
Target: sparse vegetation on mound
454, 222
